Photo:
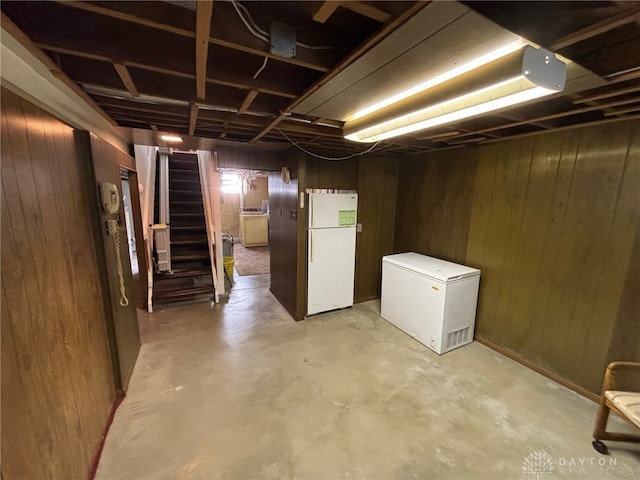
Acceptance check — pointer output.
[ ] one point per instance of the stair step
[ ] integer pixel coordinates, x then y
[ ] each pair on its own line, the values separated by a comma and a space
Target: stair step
196, 272
190, 257
182, 170
184, 181
190, 241
184, 163
188, 215
188, 228
180, 294
186, 202
191, 193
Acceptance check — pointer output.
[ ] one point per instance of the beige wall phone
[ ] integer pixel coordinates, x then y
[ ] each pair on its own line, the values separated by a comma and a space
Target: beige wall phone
111, 204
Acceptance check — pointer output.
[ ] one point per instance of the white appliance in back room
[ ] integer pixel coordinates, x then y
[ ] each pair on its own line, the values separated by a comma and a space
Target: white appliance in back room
331, 250
430, 299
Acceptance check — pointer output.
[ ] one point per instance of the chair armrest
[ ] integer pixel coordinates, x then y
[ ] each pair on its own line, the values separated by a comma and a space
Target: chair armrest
612, 375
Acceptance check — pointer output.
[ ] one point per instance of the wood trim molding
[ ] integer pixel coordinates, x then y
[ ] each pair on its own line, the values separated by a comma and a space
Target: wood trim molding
541, 370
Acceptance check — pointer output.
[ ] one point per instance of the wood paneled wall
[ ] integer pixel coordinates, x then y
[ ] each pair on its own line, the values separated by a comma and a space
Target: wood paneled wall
435, 196
283, 239
57, 377
551, 222
230, 211
123, 328
330, 174
374, 178
377, 181
248, 159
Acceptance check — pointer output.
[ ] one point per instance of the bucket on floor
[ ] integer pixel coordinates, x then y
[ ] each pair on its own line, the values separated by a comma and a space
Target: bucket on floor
229, 262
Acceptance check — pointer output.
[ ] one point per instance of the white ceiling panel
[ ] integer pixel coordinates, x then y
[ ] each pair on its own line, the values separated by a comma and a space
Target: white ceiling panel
441, 37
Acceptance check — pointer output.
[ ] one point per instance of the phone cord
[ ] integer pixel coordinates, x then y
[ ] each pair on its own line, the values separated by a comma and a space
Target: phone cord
115, 234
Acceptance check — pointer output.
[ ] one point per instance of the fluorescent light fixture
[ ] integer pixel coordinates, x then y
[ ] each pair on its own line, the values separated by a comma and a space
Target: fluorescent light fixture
171, 138
432, 82
515, 77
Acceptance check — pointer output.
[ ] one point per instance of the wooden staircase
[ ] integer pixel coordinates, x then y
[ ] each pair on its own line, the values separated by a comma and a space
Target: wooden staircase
190, 261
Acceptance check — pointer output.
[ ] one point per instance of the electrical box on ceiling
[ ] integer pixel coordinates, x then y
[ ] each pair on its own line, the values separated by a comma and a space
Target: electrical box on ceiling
283, 39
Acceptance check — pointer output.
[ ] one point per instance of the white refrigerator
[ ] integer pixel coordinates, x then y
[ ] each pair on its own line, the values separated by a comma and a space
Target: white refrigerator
331, 250
432, 300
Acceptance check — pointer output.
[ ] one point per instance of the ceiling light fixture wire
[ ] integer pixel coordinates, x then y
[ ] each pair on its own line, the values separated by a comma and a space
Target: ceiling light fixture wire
264, 64
328, 158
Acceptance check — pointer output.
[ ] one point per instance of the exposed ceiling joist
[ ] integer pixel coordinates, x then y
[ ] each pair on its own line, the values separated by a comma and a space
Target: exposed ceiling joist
223, 77
597, 29
624, 111
602, 96
566, 113
247, 101
193, 118
602, 121
225, 35
204, 9
368, 10
325, 10
127, 81
190, 70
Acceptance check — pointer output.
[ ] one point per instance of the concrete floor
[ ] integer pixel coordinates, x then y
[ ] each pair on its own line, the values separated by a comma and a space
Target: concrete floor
241, 391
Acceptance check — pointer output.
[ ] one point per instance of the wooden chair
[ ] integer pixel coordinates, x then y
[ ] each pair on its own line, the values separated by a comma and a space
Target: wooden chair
622, 399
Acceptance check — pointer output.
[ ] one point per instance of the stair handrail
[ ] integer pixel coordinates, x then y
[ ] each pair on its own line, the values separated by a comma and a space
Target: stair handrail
205, 187
148, 247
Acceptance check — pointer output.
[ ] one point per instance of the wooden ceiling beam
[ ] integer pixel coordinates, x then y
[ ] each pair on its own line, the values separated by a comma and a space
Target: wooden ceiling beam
439, 135
602, 121
566, 113
159, 123
204, 10
225, 35
224, 78
325, 10
127, 81
116, 103
624, 111
193, 118
253, 122
506, 116
247, 101
602, 96
596, 29
367, 10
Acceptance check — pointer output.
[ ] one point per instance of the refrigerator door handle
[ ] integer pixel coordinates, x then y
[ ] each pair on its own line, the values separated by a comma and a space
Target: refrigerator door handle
310, 246
311, 212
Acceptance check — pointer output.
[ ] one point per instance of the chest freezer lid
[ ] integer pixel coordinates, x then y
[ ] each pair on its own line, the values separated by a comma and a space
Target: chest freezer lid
432, 267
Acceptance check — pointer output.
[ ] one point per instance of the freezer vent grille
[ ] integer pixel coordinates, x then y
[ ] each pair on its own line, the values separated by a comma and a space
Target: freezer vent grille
458, 337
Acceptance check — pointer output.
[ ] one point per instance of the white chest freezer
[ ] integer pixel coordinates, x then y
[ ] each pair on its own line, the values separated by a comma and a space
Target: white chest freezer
430, 299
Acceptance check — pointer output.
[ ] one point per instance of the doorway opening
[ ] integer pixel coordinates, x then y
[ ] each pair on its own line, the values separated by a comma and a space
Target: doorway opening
245, 222
128, 219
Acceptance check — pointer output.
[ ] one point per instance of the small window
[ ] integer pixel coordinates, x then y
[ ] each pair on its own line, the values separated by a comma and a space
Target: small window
231, 183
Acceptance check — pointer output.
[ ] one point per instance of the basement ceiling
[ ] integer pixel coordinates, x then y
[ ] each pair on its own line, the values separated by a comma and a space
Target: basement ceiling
264, 74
